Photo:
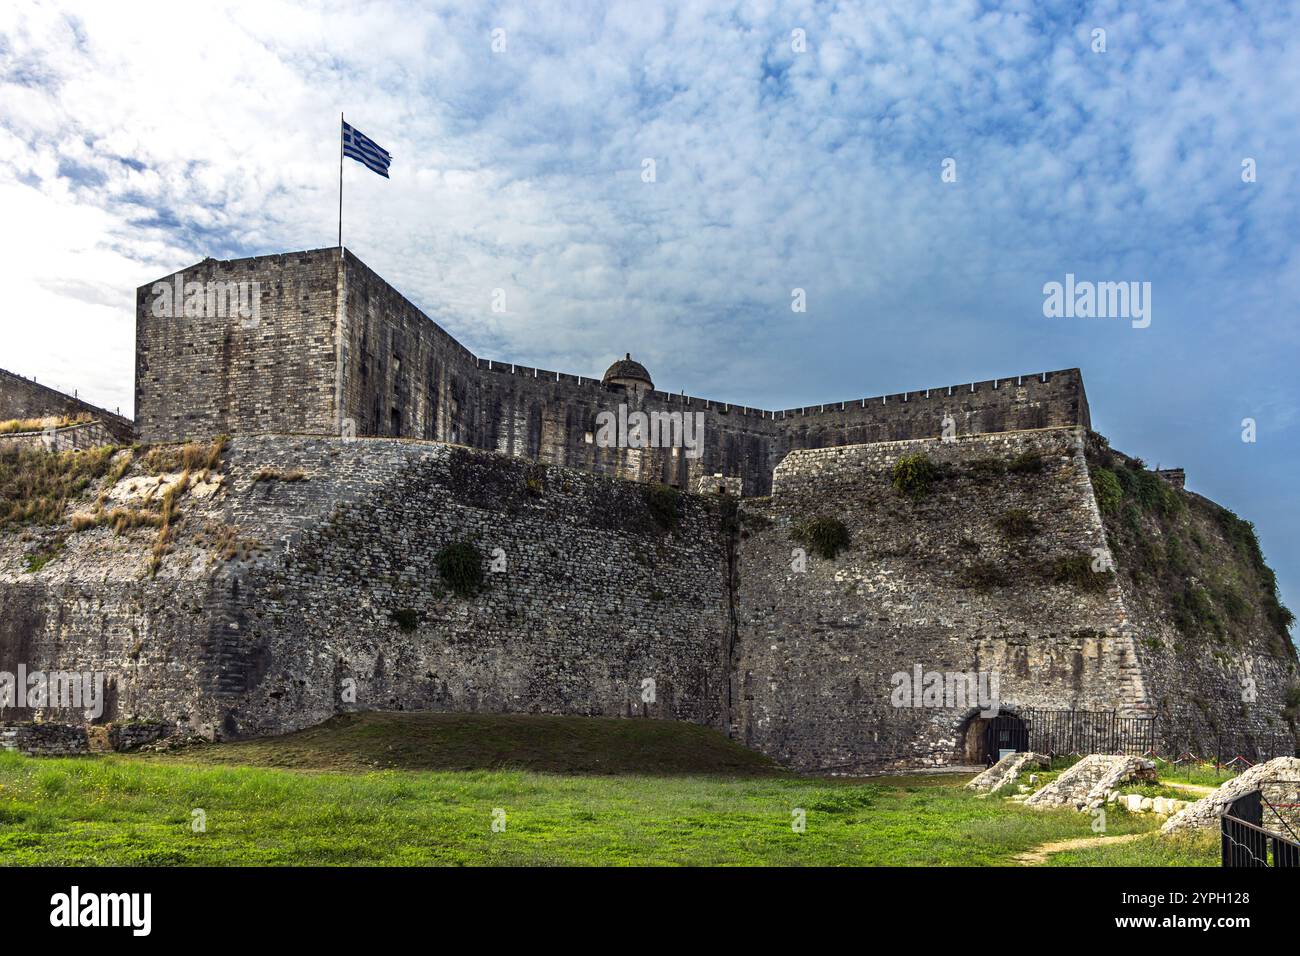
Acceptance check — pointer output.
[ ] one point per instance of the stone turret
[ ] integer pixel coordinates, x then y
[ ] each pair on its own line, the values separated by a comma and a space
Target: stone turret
629, 374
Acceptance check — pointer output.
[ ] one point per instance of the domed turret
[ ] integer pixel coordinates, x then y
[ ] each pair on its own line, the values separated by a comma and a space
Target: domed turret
628, 373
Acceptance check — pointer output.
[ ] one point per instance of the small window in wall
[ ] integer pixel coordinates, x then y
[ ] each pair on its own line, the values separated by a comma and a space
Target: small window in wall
397, 422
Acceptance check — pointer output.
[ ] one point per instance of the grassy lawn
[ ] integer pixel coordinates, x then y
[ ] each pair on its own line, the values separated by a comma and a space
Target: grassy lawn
316, 798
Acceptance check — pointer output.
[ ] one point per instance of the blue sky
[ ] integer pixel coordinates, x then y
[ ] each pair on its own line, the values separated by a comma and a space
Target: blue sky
133, 145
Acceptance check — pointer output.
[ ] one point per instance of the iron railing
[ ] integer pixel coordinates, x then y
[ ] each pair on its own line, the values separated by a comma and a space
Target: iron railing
1059, 733
1245, 842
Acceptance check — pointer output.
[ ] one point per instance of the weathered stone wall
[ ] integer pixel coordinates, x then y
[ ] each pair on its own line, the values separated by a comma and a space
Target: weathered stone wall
337, 602
816, 650
198, 376
68, 438
389, 370
1217, 661
301, 580
24, 398
45, 740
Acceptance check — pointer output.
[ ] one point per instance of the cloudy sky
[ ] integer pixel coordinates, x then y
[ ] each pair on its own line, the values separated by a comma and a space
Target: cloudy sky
794, 146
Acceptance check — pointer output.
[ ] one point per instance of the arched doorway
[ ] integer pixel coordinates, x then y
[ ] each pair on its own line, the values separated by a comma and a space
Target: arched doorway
985, 738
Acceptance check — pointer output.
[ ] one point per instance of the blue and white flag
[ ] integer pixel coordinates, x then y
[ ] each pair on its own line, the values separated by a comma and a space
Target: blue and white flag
365, 151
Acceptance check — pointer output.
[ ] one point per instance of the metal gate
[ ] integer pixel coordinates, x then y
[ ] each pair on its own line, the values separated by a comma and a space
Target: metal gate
1005, 732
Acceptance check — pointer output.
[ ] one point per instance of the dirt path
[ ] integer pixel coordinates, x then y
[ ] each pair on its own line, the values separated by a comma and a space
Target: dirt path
1039, 854
1199, 789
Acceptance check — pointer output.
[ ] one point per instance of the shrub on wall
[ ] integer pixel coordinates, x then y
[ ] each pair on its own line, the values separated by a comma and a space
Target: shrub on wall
1016, 523
1108, 491
406, 618
826, 537
913, 476
983, 575
663, 504
1077, 569
535, 478
461, 566
1026, 463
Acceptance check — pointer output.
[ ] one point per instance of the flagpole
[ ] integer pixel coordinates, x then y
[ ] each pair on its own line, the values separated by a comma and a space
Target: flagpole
340, 179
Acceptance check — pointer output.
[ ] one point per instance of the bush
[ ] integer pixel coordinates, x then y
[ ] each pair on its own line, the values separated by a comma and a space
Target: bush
1077, 569
406, 618
825, 537
535, 479
1026, 463
663, 503
461, 566
983, 575
1108, 491
1016, 523
913, 476
1193, 608
1233, 604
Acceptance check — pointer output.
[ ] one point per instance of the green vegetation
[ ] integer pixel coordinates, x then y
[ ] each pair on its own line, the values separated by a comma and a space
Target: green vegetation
406, 619
1077, 569
913, 476
1027, 463
461, 566
1193, 608
1292, 709
664, 504
1242, 536
1166, 541
1107, 489
38, 559
826, 537
420, 789
1199, 848
1016, 523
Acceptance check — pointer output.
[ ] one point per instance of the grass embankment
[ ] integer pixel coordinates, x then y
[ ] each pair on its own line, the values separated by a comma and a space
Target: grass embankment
636, 793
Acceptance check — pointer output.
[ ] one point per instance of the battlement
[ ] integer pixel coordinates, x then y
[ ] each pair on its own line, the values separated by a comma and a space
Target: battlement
335, 349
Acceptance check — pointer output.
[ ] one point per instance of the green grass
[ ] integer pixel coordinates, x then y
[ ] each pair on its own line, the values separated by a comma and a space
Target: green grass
636, 792
1188, 849
1203, 774
541, 743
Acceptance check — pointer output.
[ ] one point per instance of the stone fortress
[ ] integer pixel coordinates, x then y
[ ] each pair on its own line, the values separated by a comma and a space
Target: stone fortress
296, 566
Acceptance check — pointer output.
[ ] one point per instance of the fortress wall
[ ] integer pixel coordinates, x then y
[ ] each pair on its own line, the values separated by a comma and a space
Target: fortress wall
397, 373
201, 376
68, 438
1218, 668
1044, 400
816, 650
595, 597
22, 398
405, 376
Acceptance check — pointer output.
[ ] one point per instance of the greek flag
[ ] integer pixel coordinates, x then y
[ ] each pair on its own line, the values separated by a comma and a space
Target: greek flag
365, 150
